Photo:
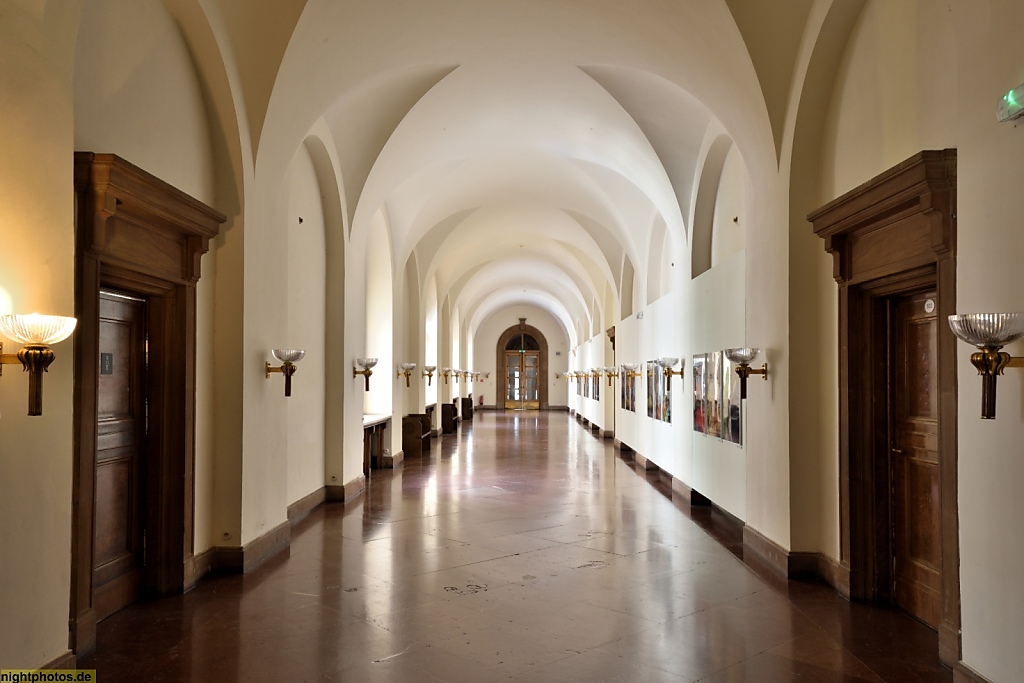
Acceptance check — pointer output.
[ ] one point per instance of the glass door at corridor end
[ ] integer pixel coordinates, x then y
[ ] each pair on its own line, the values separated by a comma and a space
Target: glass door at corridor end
522, 374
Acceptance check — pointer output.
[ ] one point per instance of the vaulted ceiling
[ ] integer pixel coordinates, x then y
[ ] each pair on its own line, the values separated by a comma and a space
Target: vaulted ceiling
521, 152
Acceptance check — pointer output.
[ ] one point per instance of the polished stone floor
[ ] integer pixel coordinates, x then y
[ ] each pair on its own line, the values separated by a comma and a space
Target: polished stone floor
524, 549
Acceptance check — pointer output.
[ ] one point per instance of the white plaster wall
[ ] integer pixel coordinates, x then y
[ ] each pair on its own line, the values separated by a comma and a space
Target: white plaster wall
137, 94
989, 249
306, 329
718, 300
36, 274
380, 280
485, 347
728, 232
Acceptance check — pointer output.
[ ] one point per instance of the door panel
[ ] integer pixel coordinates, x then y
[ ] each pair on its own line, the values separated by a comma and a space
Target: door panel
120, 454
917, 541
522, 379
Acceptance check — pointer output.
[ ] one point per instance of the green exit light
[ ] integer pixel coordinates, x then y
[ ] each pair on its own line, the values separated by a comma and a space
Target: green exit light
1011, 105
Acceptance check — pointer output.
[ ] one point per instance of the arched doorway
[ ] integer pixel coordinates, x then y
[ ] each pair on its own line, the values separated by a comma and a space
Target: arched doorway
522, 360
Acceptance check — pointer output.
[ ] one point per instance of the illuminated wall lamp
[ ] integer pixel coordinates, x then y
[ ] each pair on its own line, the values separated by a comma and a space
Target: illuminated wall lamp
406, 369
367, 369
36, 332
742, 357
989, 332
611, 373
428, 372
288, 358
667, 363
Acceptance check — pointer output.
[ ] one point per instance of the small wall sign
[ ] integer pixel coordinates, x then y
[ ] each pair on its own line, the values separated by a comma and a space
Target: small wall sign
106, 364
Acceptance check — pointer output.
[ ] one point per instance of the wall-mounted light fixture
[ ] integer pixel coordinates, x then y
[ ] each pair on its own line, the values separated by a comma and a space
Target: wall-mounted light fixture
667, 363
36, 332
611, 373
288, 358
742, 357
632, 369
445, 372
428, 372
485, 375
405, 369
367, 369
989, 332
456, 375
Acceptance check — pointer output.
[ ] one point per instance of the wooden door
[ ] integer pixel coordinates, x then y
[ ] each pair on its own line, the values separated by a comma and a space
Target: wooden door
916, 524
522, 380
119, 539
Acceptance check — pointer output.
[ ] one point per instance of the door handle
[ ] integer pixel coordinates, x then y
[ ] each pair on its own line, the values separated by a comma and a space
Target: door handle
898, 451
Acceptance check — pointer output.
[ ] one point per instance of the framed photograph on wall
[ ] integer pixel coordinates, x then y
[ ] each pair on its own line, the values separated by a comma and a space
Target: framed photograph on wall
732, 429
652, 386
713, 395
700, 383
595, 393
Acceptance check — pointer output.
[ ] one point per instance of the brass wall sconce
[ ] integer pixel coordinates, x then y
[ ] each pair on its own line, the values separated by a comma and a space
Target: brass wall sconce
742, 357
484, 375
632, 369
428, 372
288, 358
406, 369
456, 375
989, 332
367, 369
667, 363
445, 372
611, 373
36, 333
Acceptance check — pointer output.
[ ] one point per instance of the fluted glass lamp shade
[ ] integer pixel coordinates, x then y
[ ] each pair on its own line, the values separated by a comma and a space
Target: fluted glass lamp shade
289, 355
988, 329
37, 330
366, 363
407, 366
667, 362
989, 332
742, 355
431, 368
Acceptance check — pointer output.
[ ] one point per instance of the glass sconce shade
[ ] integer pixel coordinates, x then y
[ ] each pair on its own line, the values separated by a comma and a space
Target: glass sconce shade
988, 329
430, 368
366, 363
667, 361
37, 330
407, 367
742, 355
289, 355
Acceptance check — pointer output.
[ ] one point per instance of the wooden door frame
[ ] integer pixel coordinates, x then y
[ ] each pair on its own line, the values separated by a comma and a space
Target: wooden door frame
137, 234
894, 235
501, 385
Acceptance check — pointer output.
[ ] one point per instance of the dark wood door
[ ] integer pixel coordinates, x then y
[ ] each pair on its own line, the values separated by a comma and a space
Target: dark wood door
119, 539
917, 539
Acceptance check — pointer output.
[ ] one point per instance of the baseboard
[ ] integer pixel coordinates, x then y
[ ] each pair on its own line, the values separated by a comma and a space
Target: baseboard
392, 460
572, 412
698, 499
594, 427
607, 433
965, 674
68, 660
644, 463
666, 477
348, 492
301, 508
259, 550
681, 490
558, 409
774, 555
621, 447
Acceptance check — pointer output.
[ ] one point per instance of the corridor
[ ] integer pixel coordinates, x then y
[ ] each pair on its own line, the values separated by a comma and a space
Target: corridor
524, 549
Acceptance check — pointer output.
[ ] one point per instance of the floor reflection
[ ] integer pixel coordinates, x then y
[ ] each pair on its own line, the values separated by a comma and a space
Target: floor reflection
520, 549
